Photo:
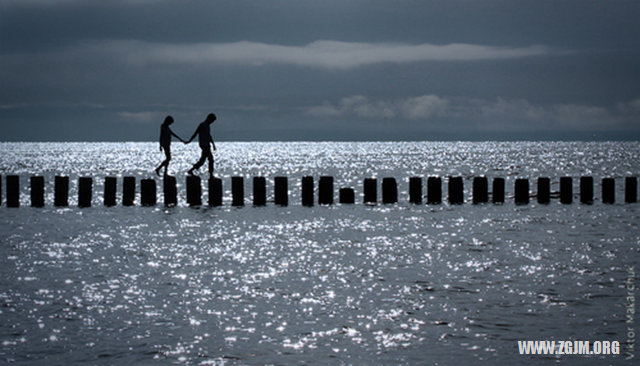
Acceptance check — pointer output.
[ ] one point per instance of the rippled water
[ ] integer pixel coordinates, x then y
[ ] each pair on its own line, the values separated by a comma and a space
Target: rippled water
383, 284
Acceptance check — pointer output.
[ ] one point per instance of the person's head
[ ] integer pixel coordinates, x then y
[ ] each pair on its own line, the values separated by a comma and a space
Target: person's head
168, 120
211, 118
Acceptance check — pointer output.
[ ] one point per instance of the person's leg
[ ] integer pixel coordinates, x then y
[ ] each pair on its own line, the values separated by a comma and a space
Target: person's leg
199, 163
210, 158
165, 163
167, 160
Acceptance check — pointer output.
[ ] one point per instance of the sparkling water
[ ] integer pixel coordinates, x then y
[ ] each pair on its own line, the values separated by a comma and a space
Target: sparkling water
353, 284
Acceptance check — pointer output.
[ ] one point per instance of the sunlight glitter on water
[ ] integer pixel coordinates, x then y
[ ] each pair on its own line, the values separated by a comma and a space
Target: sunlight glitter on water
358, 284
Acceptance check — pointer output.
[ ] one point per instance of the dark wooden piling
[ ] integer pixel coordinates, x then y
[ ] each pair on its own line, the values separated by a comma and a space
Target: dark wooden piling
608, 190
497, 191
13, 191
194, 191
347, 196
566, 190
148, 192
128, 191
307, 191
522, 191
544, 190
37, 191
415, 190
237, 191
85, 191
480, 190
110, 187
434, 190
586, 190
281, 191
61, 191
631, 190
259, 191
325, 191
456, 191
215, 192
370, 186
389, 190
170, 191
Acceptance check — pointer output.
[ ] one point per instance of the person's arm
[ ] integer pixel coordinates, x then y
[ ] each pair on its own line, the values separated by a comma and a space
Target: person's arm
160, 141
192, 137
212, 143
174, 134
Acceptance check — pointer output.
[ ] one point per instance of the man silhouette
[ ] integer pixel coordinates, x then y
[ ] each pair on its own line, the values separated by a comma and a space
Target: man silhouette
204, 139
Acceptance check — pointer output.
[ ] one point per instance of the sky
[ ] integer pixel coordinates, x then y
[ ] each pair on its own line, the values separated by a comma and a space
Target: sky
90, 70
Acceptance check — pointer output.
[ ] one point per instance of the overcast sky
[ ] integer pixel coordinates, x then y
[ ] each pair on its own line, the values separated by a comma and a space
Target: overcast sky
87, 70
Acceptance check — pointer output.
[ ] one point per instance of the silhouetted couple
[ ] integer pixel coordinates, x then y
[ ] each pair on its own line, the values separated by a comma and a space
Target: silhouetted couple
204, 139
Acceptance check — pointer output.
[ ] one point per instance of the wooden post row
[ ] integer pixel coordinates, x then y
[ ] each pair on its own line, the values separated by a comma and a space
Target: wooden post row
148, 191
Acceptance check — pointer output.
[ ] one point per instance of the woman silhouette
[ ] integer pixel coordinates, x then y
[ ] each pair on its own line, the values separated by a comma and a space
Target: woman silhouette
165, 143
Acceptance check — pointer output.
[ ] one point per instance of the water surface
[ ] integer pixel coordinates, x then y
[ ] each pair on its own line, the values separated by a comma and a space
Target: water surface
354, 284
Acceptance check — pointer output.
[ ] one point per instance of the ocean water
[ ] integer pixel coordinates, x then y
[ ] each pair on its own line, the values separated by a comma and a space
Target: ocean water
341, 284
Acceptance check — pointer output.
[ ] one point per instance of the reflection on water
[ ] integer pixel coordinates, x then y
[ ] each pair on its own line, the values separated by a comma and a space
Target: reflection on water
354, 284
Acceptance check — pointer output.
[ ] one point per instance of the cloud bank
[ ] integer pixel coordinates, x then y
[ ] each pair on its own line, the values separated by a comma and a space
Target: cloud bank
421, 107
319, 54
499, 114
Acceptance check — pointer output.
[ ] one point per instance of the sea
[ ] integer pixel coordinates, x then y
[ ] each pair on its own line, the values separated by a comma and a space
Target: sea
383, 284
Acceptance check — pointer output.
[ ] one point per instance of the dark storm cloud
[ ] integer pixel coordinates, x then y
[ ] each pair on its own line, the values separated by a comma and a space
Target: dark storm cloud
320, 69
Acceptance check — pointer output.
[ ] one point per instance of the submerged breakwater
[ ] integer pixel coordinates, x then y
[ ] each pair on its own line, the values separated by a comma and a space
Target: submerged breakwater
148, 193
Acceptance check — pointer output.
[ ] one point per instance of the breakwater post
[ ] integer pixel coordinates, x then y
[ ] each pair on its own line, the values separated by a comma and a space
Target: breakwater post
194, 191
522, 191
325, 191
415, 190
237, 191
215, 192
497, 193
148, 192
456, 191
110, 186
37, 191
544, 191
259, 191
434, 190
608, 190
281, 191
566, 190
480, 190
61, 191
13, 191
347, 196
307, 191
370, 186
128, 191
389, 190
586, 190
85, 191
170, 191
631, 190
